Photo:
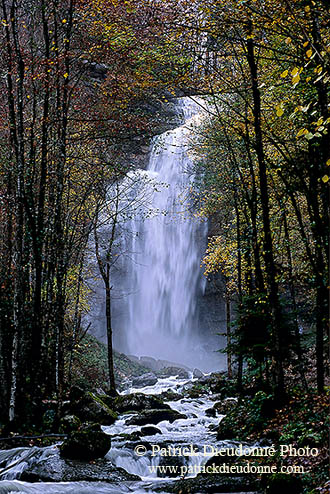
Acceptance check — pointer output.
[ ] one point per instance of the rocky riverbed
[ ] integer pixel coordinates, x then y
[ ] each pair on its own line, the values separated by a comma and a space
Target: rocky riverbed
159, 435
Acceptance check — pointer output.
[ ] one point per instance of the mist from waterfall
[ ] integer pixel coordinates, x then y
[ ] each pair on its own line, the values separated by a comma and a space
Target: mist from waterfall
165, 276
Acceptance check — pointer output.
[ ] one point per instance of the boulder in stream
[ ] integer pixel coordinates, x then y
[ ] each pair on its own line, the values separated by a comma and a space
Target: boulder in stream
148, 379
150, 431
52, 468
174, 371
224, 406
197, 373
155, 416
90, 407
135, 402
69, 423
87, 443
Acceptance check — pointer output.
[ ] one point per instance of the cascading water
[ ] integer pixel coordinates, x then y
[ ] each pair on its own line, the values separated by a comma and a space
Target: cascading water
165, 275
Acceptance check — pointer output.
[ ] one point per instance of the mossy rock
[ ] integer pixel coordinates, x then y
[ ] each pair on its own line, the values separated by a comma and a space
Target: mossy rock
69, 423
135, 402
155, 416
90, 407
87, 443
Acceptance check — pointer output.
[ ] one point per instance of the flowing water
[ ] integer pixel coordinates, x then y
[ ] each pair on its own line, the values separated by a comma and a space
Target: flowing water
166, 278
191, 432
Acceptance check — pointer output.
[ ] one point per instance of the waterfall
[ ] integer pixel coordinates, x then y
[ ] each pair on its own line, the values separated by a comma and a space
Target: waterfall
158, 301
165, 277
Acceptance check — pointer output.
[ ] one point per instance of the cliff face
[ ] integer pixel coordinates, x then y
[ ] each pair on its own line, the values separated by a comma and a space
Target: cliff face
162, 115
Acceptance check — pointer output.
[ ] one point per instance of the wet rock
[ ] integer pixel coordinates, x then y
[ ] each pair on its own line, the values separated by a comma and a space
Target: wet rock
170, 395
52, 468
194, 390
197, 373
135, 402
134, 436
155, 416
87, 443
225, 406
175, 461
210, 412
92, 408
69, 423
150, 431
174, 371
145, 380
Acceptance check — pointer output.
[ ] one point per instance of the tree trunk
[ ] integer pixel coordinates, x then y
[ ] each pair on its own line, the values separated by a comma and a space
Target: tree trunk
228, 326
277, 338
112, 391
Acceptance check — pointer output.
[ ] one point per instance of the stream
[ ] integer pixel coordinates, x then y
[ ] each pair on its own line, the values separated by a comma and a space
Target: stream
192, 432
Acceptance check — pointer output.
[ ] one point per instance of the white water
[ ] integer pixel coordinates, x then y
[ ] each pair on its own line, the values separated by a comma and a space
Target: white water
191, 430
166, 278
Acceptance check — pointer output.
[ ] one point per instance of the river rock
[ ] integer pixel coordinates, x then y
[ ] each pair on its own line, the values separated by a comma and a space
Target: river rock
150, 431
197, 373
87, 443
155, 416
52, 468
92, 408
170, 395
148, 379
174, 371
135, 402
210, 412
168, 461
69, 423
224, 406
133, 437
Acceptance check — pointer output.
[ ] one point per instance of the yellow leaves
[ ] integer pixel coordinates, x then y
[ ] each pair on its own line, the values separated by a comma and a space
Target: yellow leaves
279, 111
307, 8
325, 179
308, 136
66, 75
328, 162
296, 79
309, 53
285, 73
302, 132
64, 21
288, 41
295, 72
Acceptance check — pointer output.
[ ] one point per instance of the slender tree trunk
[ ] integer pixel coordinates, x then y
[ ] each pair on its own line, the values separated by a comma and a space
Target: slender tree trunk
228, 326
277, 337
112, 382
